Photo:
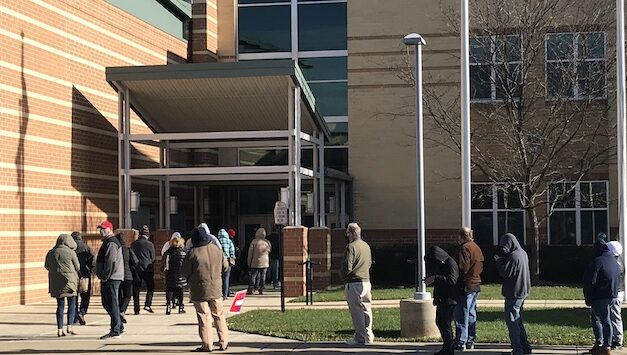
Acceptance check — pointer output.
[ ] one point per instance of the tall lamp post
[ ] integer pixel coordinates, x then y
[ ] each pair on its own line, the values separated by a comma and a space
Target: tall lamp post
465, 116
621, 127
414, 39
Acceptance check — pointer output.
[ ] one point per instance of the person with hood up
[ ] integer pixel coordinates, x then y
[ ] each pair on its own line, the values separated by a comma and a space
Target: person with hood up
212, 238
512, 264
110, 271
600, 289
444, 275
166, 245
228, 249
126, 287
145, 252
63, 270
258, 262
87, 260
615, 316
175, 282
203, 267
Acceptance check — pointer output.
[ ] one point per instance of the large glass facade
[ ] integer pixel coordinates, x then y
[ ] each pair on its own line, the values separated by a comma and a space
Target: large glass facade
314, 34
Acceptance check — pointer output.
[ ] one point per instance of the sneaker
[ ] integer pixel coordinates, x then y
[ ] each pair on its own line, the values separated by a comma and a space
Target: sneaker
354, 342
201, 350
148, 309
110, 336
81, 319
471, 346
604, 351
617, 346
123, 319
460, 347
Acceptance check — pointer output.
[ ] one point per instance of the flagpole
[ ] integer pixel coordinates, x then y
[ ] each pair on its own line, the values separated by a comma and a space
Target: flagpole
621, 127
465, 116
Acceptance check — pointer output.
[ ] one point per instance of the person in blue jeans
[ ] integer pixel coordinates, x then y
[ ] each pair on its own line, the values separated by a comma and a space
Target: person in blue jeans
512, 264
469, 258
228, 249
600, 289
110, 271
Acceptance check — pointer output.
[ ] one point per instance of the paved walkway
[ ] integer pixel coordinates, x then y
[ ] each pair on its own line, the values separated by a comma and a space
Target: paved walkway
31, 330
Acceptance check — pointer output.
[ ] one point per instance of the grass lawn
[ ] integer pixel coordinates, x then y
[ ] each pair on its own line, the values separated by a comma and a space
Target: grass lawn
488, 292
544, 326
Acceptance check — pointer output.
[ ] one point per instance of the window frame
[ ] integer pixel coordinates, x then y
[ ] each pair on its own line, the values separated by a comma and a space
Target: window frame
493, 64
496, 187
574, 60
578, 209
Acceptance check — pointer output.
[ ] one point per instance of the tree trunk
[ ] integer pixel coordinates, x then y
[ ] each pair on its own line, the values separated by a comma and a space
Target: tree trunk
534, 257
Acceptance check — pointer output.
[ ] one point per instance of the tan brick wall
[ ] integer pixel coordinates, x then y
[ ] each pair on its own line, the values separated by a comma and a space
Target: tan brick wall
58, 126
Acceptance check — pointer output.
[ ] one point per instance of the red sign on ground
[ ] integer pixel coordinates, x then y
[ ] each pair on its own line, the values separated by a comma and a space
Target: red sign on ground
238, 301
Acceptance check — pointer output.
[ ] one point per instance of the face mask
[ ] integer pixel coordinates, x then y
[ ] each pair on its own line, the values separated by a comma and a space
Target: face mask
103, 233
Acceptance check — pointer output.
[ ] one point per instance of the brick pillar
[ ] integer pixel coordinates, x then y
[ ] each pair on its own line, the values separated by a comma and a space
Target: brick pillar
159, 238
320, 252
338, 244
204, 31
294, 253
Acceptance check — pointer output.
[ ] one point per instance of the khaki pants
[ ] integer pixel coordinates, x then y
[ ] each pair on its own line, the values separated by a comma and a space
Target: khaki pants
359, 301
214, 309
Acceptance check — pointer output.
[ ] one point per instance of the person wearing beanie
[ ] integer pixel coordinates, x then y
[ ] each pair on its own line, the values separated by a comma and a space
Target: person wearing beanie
87, 261
145, 252
600, 289
63, 269
615, 315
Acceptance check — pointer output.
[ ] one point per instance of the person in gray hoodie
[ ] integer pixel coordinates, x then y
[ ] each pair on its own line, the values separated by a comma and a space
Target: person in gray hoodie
512, 263
110, 271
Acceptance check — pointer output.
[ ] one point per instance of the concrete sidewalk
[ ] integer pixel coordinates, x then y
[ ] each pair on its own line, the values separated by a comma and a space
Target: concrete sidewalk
31, 330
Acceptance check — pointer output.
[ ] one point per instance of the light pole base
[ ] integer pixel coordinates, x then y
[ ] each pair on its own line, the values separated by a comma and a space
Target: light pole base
418, 319
422, 296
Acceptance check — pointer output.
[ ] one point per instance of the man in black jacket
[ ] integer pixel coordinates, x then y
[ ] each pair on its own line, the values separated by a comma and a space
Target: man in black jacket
126, 288
87, 260
600, 288
145, 252
444, 274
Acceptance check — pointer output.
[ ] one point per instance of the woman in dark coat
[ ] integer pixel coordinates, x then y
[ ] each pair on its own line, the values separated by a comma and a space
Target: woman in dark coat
126, 288
175, 282
444, 274
63, 269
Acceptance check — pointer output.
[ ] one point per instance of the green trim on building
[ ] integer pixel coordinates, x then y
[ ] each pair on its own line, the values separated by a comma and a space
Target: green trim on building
170, 16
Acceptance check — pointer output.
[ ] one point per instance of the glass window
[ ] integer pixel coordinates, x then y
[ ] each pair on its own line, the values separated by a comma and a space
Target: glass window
480, 82
333, 68
563, 228
575, 65
331, 98
264, 29
495, 67
336, 158
482, 196
482, 228
512, 222
271, 157
322, 27
261, 1
496, 210
339, 133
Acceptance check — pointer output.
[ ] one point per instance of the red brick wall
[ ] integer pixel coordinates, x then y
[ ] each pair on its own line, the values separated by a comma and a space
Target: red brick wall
58, 122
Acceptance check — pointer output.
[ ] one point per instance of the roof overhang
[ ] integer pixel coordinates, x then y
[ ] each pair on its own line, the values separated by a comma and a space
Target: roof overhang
217, 97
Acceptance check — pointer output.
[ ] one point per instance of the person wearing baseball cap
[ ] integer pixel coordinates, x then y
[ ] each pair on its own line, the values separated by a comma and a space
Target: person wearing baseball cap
110, 271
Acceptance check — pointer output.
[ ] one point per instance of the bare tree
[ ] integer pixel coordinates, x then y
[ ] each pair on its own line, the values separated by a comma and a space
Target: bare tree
539, 71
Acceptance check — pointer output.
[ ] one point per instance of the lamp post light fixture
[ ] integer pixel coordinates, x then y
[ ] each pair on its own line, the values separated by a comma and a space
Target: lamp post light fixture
414, 39
134, 201
174, 205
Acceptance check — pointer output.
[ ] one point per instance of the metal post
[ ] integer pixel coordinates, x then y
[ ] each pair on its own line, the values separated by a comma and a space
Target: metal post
166, 192
120, 157
127, 159
621, 128
337, 205
465, 110
343, 204
297, 161
281, 275
196, 201
316, 182
421, 290
321, 169
162, 197
291, 151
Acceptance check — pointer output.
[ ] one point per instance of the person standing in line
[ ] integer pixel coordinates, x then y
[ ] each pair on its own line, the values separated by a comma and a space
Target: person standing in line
469, 259
615, 316
145, 252
166, 245
203, 267
87, 261
63, 270
273, 238
512, 264
228, 249
175, 282
110, 271
444, 280
357, 289
258, 262
126, 287
600, 289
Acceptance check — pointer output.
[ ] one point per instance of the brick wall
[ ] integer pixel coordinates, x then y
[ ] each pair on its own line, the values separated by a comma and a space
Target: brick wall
58, 119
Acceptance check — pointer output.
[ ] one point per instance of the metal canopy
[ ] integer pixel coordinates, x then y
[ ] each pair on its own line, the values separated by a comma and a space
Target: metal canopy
217, 97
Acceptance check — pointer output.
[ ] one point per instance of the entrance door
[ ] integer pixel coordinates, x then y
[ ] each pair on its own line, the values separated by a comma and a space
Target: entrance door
248, 225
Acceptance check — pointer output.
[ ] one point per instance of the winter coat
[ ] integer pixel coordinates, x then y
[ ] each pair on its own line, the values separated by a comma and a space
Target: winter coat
110, 260
130, 260
203, 267
259, 252
173, 261
63, 268
513, 268
617, 249
601, 279
446, 274
145, 252
86, 258
469, 259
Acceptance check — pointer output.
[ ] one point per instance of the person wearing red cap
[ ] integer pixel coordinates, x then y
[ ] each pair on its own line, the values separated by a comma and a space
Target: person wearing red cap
110, 271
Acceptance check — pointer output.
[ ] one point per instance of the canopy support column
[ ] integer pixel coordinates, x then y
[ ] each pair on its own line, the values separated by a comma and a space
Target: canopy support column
321, 170
124, 159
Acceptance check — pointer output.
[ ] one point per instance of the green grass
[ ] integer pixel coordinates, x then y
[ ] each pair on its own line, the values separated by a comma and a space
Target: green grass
544, 326
488, 292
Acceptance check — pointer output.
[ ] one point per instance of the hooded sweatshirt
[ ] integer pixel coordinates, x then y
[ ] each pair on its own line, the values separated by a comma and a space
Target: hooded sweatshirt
166, 245
110, 261
601, 280
617, 250
227, 244
259, 250
513, 268
446, 272
63, 268
199, 237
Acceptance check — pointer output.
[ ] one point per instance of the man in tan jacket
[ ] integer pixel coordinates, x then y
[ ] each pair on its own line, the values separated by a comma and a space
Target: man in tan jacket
203, 267
356, 272
258, 262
